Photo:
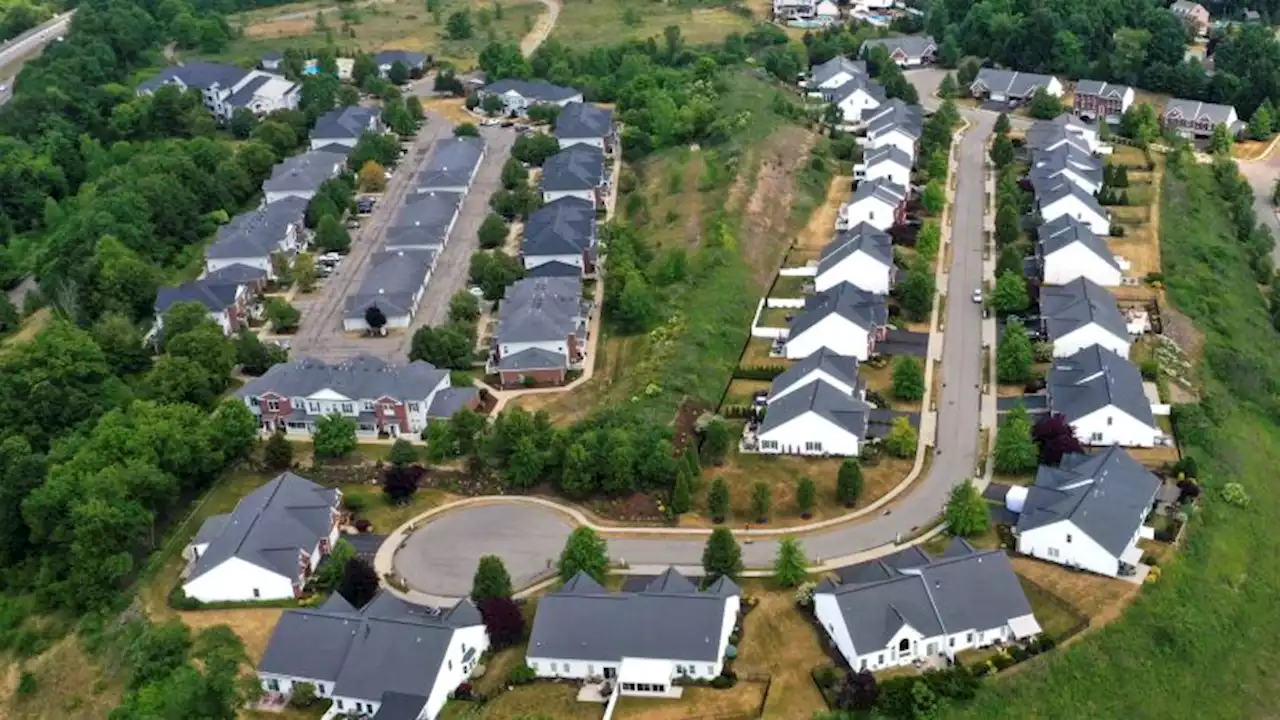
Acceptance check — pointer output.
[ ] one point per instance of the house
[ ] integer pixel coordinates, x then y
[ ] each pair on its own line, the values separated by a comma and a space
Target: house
1078, 127
271, 60
253, 238
887, 161
912, 607
586, 124
229, 293
895, 123
784, 10
1068, 250
1057, 197
1100, 394
861, 256
1047, 136
833, 73
225, 89
519, 95
857, 98
1081, 314
302, 175
1193, 15
1088, 512
826, 12
1010, 85
452, 166
543, 326
384, 399
1069, 163
578, 171
394, 283
424, 222
562, 232
1192, 118
345, 126
268, 546
391, 659
414, 62
815, 419
845, 319
641, 641
1100, 100
904, 50
825, 366
879, 203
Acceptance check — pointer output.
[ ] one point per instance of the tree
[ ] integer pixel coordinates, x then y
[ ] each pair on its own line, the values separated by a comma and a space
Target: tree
790, 567
1139, 123
761, 501
584, 551
466, 129
718, 500
849, 482
924, 702
254, 356
400, 482
243, 122
915, 294
1044, 106
335, 436
373, 177
858, 691
375, 318
331, 236
503, 621
721, 557
534, 148
402, 453
967, 72
277, 452
493, 271
682, 493
1015, 355
1002, 151
359, 582
1220, 142
459, 27
1015, 451
934, 197
908, 378
929, 240
284, 318
1001, 128
450, 346
329, 574
948, 89
303, 273
716, 440
398, 74
513, 173
491, 579
464, 307
1262, 122
1055, 437
902, 438
1010, 295
493, 232
805, 497
966, 513
232, 430
492, 105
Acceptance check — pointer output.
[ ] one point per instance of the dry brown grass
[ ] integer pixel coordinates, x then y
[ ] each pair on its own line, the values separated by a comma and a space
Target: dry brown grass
453, 109
743, 392
757, 354
880, 379
744, 698
31, 327
1100, 598
69, 685
1141, 243
252, 625
821, 226
542, 699
766, 214
777, 640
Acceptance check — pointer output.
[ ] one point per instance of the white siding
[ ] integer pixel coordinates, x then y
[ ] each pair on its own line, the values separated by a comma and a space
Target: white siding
900, 140
873, 211
262, 263
1111, 426
592, 141
1088, 336
834, 333
1050, 543
1070, 205
235, 580
275, 195
533, 261
317, 143
857, 106
794, 436
589, 195
557, 346
454, 672
892, 170
827, 610
825, 377
859, 269
1075, 261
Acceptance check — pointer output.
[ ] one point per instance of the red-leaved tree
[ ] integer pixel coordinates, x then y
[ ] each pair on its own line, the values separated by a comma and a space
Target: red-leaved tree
1055, 438
503, 620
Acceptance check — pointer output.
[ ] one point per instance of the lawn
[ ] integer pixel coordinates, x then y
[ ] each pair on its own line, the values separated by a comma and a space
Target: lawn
777, 640
540, 699
590, 22
790, 286
743, 392
880, 379
385, 516
778, 317
742, 699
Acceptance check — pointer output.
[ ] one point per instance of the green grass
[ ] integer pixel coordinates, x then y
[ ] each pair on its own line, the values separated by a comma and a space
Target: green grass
1200, 642
596, 21
386, 517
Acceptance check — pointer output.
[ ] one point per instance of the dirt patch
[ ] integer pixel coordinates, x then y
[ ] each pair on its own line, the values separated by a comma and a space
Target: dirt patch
281, 28
453, 109
1183, 332
768, 209
779, 641
821, 226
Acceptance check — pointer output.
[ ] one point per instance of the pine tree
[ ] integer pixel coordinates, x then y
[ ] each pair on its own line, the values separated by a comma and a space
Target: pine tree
718, 500
849, 482
805, 492
761, 501
491, 579
721, 556
682, 492
966, 513
277, 452
790, 567
1016, 450
584, 551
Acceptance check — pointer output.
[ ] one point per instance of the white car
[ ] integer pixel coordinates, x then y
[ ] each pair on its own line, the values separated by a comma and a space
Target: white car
977, 295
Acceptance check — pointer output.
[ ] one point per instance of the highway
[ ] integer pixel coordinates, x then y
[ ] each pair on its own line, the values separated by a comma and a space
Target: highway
29, 42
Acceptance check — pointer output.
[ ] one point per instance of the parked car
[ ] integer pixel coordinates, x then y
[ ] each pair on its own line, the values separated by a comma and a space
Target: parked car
977, 295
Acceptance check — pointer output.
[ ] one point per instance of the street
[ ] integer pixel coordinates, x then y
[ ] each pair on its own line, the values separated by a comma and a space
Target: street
29, 43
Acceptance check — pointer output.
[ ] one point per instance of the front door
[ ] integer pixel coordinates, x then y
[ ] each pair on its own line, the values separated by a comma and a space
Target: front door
609, 673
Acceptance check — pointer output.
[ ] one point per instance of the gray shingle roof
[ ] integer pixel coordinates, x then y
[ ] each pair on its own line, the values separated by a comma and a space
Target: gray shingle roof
198, 75
453, 162
566, 226
864, 309
216, 291
211, 528
859, 238
887, 154
361, 378
536, 90
858, 82
307, 171
1104, 494
912, 46
424, 219
1058, 188
881, 188
258, 233
1045, 134
883, 568
242, 96
1101, 88
273, 526
669, 621
344, 123
1194, 110
1068, 156
450, 400
577, 167
896, 115
1010, 83
410, 59
533, 359
968, 591
820, 74
583, 120
541, 310
1095, 378
1081, 302
553, 269
390, 282
1065, 230
841, 367
834, 406
399, 706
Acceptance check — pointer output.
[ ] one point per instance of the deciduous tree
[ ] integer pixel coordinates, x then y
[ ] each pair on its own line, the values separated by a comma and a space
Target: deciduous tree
493, 232
1015, 451
491, 579
584, 551
1010, 295
503, 621
966, 513
277, 452
1055, 438
908, 378
721, 556
335, 437
1015, 355
359, 582
902, 438
373, 177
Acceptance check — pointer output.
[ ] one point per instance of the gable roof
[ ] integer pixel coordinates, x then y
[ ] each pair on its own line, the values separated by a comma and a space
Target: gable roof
822, 73
346, 123
840, 367
409, 58
544, 309
858, 82
911, 46
1183, 7
1064, 231
1101, 88
553, 269
669, 619
859, 238
258, 233
583, 120
1010, 82
306, 171
453, 162
216, 291
534, 358
565, 226
536, 90
864, 309
1095, 378
1105, 495
197, 75
886, 154
393, 278
450, 400
577, 167
1046, 134
361, 378
896, 115
828, 402
1081, 302
882, 189
425, 218
1058, 188
1194, 110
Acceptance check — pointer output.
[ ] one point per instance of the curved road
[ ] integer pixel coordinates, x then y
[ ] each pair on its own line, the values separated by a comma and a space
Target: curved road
27, 43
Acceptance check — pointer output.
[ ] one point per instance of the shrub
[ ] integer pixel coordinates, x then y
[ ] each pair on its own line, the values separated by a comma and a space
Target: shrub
722, 682
354, 503
27, 684
303, 696
826, 677
521, 674
804, 593
1234, 493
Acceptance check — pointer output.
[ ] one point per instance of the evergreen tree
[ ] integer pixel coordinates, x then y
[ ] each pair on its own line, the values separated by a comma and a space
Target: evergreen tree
1015, 355
790, 567
966, 513
948, 88
718, 500
1262, 122
403, 453
491, 579
584, 551
849, 482
1221, 141
1002, 125
908, 378
1016, 450
721, 556
277, 452
1010, 295
761, 501
805, 496
681, 494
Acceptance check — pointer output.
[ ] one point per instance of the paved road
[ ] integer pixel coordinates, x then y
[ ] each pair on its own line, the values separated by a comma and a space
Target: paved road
1262, 176
27, 43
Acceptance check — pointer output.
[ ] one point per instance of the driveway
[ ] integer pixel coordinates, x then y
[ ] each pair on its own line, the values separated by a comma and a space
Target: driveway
1035, 404
1262, 176
904, 342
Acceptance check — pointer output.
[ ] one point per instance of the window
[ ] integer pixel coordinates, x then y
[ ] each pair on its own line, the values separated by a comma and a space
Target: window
273, 685
313, 408
968, 637
813, 447
1068, 537
338, 703
1095, 437
273, 405
863, 664
413, 407
951, 642
450, 664
591, 669
711, 669
348, 408
1108, 420
533, 666
256, 593
769, 444
1053, 552
880, 659
368, 405
904, 645
319, 689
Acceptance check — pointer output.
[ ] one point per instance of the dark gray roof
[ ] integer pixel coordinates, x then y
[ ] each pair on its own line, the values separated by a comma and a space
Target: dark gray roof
553, 269
912, 46
450, 400
424, 219
307, 171
1058, 188
536, 90
1011, 83
409, 58
887, 153
820, 74
1052, 163
211, 528
841, 367
543, 309
346, 123
864, 309
843, 411
566, 226
584, 120
854, 84
399, 706
1104, 494
258, 233
272, 526
882, 188
242, 96
896, 115
272, 55
860, 238
1095, 378
361, 378
533, 359
198, 75
216, 291
577, 167
1045, 134
1101, 88
390, 282
1194, 110
665, 621
968, 590
453, 162
1081, 302
391, 646
1065, 230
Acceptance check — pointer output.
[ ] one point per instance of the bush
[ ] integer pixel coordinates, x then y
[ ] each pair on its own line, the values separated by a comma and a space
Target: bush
723, 682
521, 674
27, 684
354, 503
303, 696
826, 677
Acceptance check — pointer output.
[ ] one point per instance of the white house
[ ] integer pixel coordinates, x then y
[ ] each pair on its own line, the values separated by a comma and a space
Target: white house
586, 124
910, 607
560, 237
904, 50
845, 319
268, 546
519, 95
857, 99
895, 123
1082, 314
861, 256
225, 88
302, 175
889, 162
640, 641
1100, 394
253, 238
390, 659
1002, 85
838, 371
543, 324
815, 419
345, 126
452, 166
1087, 513
879, 203
833, 73
578, 171
1068, 249
394, 282
1057, 197
1078, 127
1068, 163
